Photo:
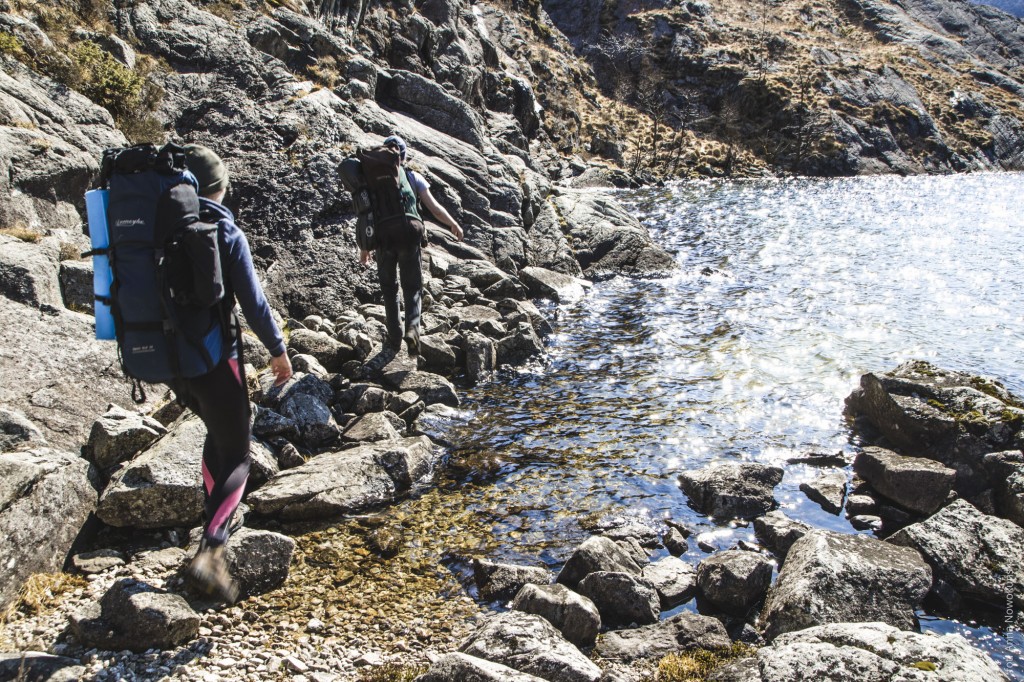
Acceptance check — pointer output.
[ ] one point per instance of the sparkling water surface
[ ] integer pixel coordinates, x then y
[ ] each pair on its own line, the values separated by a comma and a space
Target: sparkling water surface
787, 291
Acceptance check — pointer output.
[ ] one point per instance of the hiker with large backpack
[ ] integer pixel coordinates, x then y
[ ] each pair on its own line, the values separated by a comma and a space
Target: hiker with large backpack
389, 225
173, 263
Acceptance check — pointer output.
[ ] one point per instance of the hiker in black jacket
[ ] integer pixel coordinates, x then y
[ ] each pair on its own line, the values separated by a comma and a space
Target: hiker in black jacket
221, 398
405, 258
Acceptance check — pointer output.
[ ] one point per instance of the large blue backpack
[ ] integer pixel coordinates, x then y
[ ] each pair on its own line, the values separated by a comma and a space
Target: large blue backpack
167, 291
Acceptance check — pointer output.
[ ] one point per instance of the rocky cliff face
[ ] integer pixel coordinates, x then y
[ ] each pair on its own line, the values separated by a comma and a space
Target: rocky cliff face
826, 87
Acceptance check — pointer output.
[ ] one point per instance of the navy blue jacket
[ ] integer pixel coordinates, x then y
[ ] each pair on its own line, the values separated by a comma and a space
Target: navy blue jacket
240, 276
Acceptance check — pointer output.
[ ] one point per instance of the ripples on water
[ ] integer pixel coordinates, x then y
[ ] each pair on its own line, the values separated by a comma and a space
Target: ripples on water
787, 292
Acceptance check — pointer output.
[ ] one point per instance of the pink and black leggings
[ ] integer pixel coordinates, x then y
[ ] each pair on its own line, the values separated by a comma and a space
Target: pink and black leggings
221, 400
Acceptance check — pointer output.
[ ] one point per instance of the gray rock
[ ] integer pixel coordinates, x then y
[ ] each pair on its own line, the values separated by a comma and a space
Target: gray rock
34, 666
867, 522
860, 504
597, 553
833, 578
575, 616
28, 274
119, 434
518, 346
503, 581
162, 487
132, 615
15, 429
258, 559
308, 364
530, 644
311, 416
552, 285
481, 357
682, 632
370, 428
978, 555
268, 424
621, 598
675, 542
372, 399
456, 667
431, 388
98, 561
778, 532
673, 579
732, 490
343, 482
76, 285
915, 483
735, 581
1007, 473
64, 374
298, 384
46, 496
329, 352
828, 490
606, 239
480, 273
868, 652
952, 417
437, 354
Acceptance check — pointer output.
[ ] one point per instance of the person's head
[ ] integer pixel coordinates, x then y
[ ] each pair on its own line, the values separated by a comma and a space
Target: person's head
209, 170
399, 144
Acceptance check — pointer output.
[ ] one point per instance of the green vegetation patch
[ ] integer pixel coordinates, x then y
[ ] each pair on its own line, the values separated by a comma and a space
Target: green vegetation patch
697, 665
392, 672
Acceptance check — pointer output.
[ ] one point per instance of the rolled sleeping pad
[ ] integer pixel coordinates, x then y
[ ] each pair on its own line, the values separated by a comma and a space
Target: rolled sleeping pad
96, 208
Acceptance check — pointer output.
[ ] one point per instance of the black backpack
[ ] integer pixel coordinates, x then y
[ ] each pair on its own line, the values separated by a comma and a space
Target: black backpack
386, 204
167, 285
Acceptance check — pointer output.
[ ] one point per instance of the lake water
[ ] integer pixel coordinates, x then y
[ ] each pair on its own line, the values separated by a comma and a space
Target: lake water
787, 291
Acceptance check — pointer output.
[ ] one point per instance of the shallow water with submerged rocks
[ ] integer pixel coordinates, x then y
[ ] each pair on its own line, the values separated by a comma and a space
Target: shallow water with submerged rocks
788, 291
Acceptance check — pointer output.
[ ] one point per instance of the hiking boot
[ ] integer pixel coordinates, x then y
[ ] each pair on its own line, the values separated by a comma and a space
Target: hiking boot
208, 574
412, 341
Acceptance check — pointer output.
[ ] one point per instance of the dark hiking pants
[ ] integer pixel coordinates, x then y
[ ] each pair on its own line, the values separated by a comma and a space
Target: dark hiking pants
222, 402
391, 262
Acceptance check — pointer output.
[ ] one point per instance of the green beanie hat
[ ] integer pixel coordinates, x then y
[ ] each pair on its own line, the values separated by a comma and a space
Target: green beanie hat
209, 170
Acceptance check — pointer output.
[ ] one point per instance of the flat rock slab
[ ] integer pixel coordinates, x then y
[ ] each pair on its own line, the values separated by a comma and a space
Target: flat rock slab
575, 616
46, 496
915, 483
682, 632
828, 490
162, 487
456, 667
530, 644
15, 428
866, 652
343, 482
833, 578
732, 490
979, 555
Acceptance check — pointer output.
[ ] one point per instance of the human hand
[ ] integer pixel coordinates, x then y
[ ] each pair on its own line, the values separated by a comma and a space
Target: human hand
281, 366
364, 257
457, 231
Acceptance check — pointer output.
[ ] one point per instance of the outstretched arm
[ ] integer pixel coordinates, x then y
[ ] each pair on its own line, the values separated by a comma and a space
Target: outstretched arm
440, 213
